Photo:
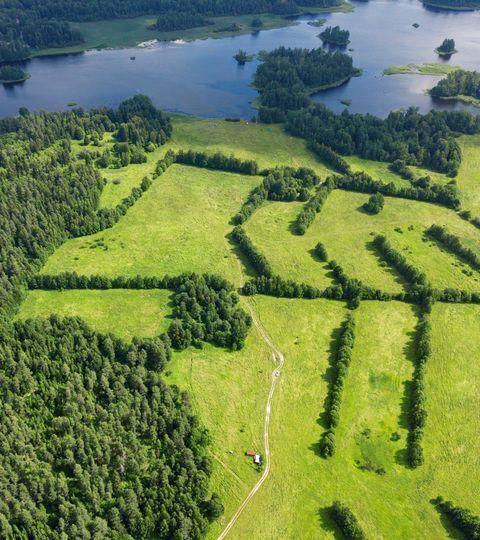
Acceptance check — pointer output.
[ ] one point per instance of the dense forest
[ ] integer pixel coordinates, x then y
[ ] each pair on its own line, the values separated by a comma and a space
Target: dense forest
454, 4
287, 77
94, 444
27, 24
458, 83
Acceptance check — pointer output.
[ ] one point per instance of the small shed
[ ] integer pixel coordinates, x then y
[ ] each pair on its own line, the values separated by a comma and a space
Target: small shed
250, 453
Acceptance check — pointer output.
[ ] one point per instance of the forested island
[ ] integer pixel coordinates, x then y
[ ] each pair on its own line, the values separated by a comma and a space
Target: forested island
28, 27
335, 36
12, 74
287, 77
461, 85
447, 48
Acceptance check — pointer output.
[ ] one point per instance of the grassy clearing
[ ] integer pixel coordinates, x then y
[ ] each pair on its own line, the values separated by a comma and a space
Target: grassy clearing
291, 256
452, 444
301, 483
228, 391
178, 226
423, 69
125, 313
377, 170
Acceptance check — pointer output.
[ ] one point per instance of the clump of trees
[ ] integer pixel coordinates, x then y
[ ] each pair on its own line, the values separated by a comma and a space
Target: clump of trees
242, 57
321, 252
342, 359
98, 442
307, 215
418, 412
458, 83
446, 48
347, 522
206, 309
375, 204
334, 35
257, 259
462, 518
454, 244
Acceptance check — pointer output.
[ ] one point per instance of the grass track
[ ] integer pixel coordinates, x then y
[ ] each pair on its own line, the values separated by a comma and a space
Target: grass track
125, 313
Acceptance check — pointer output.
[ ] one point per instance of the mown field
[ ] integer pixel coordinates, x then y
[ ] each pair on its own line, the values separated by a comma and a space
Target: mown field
181, 224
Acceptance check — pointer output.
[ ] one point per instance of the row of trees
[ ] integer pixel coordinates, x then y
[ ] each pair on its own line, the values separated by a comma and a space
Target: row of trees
418, 412
255, 258
412, 275
425, 140
400, 167
462, 518
217, 161
458, 83
329, 157
454, 244
346, 521
340, 366
96, 445
307, 215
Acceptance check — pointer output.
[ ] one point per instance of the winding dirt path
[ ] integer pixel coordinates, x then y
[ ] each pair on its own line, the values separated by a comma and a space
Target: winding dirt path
279, 360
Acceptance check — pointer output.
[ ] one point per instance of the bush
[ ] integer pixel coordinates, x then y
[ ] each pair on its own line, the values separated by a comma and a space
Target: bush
375, 204
347, 522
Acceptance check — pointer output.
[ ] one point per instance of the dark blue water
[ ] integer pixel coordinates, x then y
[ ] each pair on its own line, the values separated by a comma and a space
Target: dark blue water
201, 78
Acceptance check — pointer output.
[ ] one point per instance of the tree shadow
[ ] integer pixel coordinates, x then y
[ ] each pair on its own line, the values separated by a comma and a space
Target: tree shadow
406, 400
447, 524
327, 523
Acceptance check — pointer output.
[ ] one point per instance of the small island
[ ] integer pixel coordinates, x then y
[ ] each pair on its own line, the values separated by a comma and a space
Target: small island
423, 69
335, 36
447, 48
460, 85
317, 23
12, 75
242, 57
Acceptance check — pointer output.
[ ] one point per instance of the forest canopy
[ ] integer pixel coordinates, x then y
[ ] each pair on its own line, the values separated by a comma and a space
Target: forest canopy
458, 83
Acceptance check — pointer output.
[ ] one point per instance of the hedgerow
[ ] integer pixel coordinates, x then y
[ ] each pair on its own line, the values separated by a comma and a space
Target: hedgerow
313, 207
454, 244
258, 261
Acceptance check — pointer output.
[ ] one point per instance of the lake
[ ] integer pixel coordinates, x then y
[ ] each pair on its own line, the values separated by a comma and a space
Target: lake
201, 78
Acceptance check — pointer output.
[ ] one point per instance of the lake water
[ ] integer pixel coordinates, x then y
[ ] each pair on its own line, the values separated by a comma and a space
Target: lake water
201, 78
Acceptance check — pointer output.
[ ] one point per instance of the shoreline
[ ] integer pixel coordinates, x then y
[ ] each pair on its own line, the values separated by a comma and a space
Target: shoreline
129, 33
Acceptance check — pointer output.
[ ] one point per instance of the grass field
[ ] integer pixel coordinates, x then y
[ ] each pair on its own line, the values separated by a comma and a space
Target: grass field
178, 226
125, 313
346, 231
469, 176
422, 69
302, 485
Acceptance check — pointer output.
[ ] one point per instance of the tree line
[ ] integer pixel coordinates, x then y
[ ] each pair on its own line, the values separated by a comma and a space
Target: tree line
424, 140
257, 259
418, 413
307, 215
342, 358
